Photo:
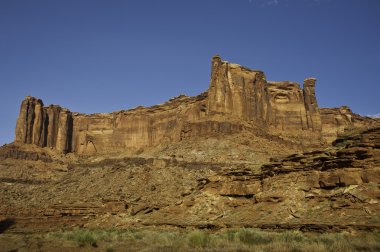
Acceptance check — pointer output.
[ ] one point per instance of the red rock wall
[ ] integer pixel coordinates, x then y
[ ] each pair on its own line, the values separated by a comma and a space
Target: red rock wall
237, 96
134, 129
44, 126
245, 94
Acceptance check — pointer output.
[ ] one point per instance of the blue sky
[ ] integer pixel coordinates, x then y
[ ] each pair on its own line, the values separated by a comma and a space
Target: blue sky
101, 56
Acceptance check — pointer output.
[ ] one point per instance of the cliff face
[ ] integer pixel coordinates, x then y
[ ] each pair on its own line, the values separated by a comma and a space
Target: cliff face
44, 126
238, 99
283, 108
245, 94
65, 131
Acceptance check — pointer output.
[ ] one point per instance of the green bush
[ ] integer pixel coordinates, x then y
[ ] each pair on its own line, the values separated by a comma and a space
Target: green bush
253, 237
198, 239
327, 239
82, 237
292, 236
231, 235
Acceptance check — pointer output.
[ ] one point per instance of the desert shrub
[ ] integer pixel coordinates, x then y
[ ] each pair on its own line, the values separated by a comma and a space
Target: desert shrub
130, 234
231, 234
281, 246
160, 239
341, 245
291, 236
82, 237
198, 239
370, 242
327, 239
253, 237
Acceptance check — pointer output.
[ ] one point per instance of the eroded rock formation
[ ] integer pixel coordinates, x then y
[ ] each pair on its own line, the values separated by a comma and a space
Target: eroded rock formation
245, 94
238, 99
44, 126
332, 189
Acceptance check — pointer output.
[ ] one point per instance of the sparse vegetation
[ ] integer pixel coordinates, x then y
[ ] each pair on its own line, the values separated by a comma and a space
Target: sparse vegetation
198, 239
253, 237
82, 237
245, 239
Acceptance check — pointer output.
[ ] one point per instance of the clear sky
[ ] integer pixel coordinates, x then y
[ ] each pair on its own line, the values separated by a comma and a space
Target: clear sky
101, 56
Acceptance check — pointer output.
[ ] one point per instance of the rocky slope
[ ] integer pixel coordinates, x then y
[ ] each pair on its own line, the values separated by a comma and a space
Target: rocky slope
332, 189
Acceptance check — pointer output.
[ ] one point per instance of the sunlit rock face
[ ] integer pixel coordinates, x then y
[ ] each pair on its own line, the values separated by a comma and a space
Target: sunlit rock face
245, 94
44, 126
238, 99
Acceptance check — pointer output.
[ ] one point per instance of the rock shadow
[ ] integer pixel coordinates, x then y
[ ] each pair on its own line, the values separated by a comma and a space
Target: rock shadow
6, 224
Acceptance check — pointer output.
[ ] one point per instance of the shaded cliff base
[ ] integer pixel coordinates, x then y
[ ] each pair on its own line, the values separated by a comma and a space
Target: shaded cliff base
323, 190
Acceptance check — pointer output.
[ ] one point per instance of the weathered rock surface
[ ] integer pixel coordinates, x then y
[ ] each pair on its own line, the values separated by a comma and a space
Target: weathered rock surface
337, 120
331, 189
238, 99
44, 126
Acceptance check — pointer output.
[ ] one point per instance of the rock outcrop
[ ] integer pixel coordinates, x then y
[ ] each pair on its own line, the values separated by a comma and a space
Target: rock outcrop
44, 126
337, 120
245, 94
332, 189
238, 99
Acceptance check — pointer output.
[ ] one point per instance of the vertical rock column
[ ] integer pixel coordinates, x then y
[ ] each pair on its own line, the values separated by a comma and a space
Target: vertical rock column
262, 106
236, 90
38, 125
219, 91
29, 122
64, 133
52, 128
44, 126
311, 105
21, 125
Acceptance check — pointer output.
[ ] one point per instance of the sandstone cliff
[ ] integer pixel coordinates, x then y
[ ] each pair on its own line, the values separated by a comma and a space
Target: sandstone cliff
238, 99
44, 126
